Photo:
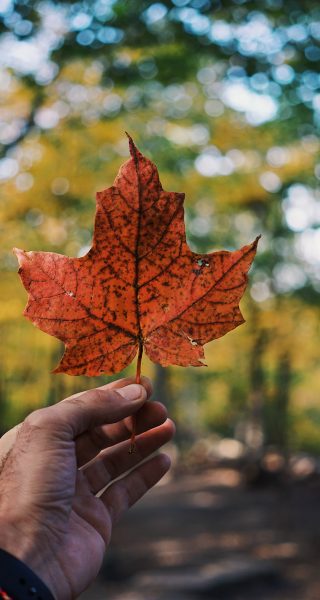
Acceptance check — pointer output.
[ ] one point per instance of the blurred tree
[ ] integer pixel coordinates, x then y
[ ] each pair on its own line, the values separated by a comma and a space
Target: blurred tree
225, 97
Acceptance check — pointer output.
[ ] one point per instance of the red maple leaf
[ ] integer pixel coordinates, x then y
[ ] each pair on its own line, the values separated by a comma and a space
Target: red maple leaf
139, 287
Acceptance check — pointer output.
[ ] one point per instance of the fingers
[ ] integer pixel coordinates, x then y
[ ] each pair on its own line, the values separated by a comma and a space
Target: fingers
90, 443
73, 416
116, 460
125, 492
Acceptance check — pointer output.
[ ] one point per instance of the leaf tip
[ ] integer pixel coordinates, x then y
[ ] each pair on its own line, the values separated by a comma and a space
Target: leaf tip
134, 151
132, 146
19, 254
256, 241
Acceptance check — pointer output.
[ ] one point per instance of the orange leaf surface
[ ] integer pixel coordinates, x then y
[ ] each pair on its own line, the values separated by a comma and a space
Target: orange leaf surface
139, 285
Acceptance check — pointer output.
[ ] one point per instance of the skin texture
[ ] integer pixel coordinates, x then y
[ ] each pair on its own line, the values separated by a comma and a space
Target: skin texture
53, 471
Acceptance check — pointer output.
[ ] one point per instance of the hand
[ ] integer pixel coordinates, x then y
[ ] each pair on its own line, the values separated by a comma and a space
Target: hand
55, 463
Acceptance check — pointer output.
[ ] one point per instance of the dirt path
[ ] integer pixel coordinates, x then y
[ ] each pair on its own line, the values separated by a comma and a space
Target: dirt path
207, 535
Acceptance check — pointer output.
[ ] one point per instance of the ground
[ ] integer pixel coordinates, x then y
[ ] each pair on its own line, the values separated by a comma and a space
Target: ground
210, 534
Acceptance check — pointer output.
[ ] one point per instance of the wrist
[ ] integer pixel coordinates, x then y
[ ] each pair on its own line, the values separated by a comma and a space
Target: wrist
19, 582
20, 541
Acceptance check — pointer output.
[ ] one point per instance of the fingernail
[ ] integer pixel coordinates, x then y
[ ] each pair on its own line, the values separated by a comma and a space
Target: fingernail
134, 391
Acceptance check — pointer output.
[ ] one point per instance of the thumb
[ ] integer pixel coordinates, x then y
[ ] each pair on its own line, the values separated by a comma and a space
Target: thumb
89, 409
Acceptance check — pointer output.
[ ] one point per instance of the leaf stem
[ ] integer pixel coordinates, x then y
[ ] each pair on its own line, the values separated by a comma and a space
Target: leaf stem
134, 419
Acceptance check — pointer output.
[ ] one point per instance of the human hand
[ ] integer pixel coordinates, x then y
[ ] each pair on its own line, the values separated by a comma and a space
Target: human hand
53, 465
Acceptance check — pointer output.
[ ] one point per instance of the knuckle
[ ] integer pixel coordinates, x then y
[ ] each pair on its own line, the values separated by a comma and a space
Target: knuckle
39, 418
100, 395
94, 396
35, 418
104, 396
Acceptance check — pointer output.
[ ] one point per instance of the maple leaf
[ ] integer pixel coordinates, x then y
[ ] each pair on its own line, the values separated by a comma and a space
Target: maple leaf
139, 287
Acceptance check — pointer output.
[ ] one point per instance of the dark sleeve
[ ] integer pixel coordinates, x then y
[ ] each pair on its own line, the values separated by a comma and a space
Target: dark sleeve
19, 582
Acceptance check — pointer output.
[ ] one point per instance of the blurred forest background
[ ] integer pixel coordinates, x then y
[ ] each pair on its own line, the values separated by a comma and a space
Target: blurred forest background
225, 97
